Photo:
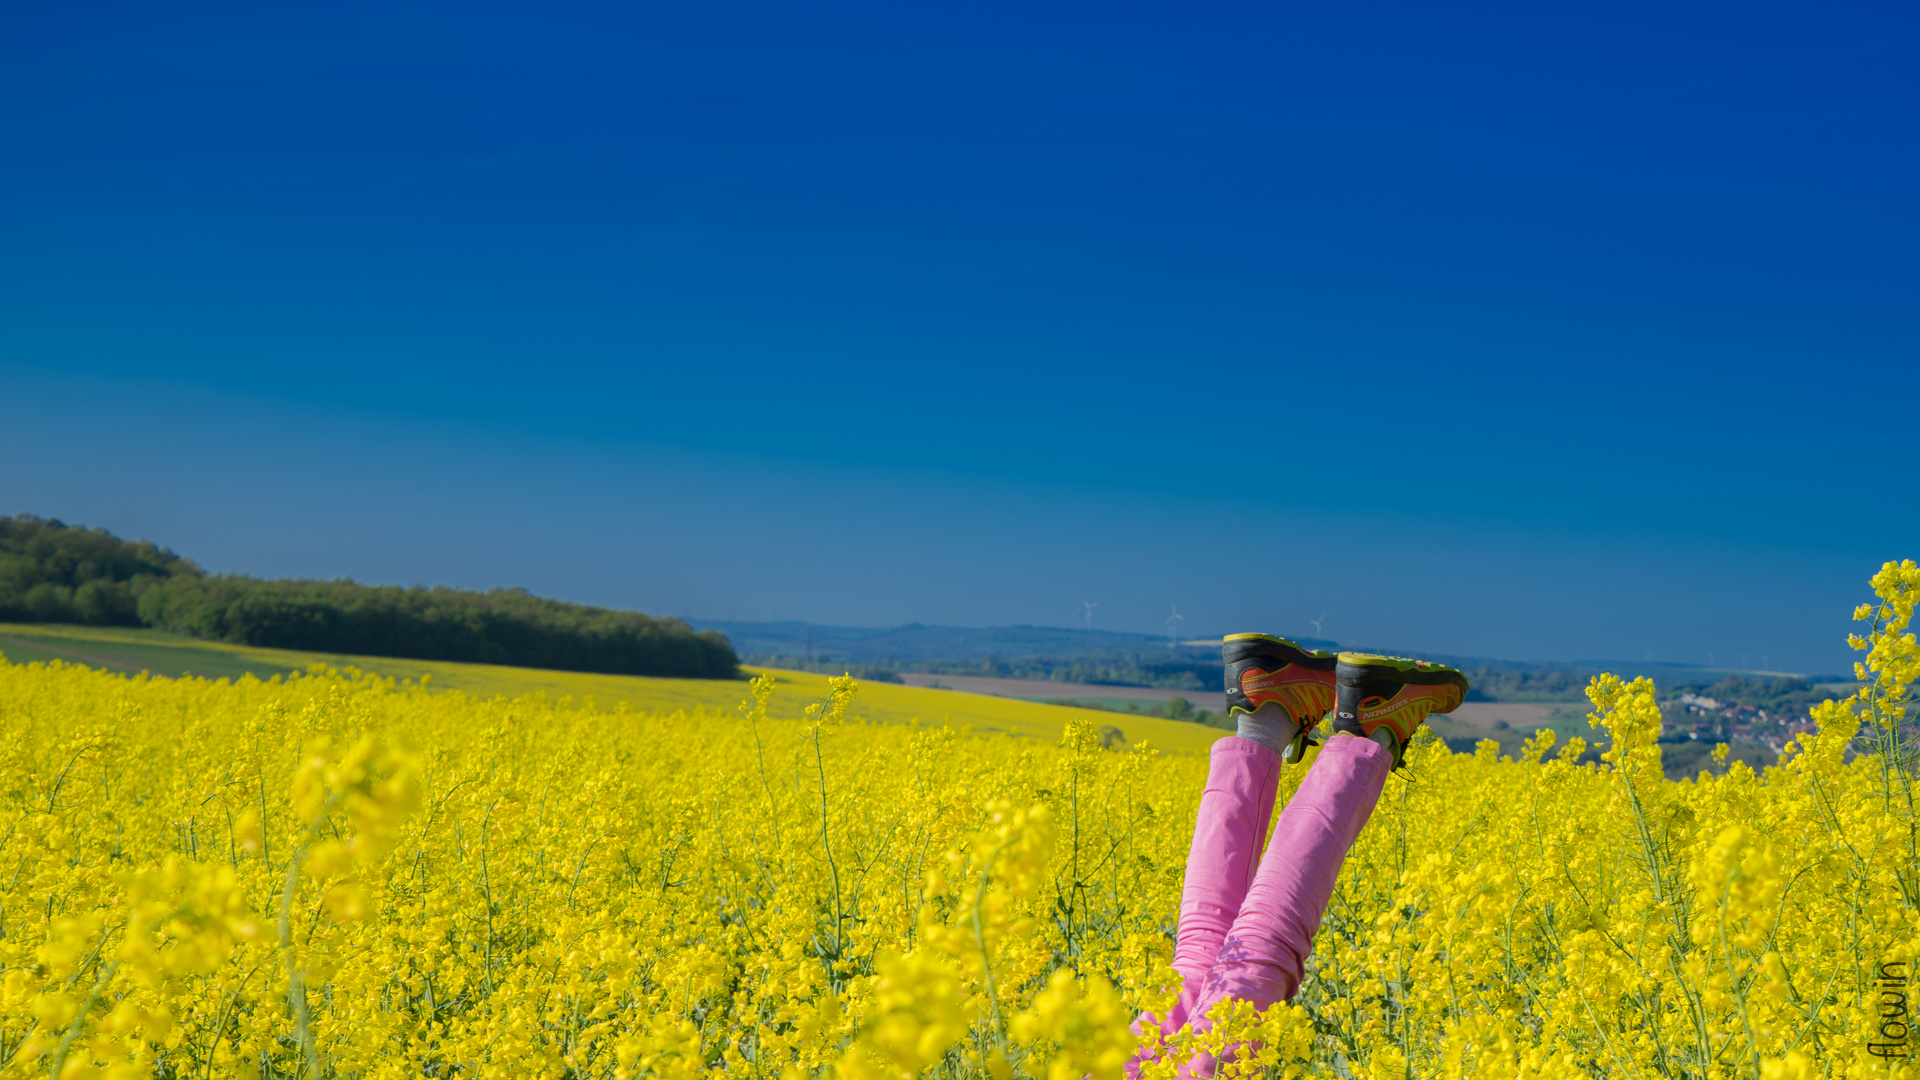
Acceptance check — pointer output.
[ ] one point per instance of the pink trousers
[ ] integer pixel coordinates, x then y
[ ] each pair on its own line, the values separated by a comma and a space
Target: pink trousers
1247, 922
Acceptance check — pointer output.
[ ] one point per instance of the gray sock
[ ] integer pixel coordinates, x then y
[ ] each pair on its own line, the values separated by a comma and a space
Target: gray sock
1271, 727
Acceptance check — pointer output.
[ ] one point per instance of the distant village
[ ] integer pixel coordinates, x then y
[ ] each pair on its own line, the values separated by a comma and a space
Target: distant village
1696, 717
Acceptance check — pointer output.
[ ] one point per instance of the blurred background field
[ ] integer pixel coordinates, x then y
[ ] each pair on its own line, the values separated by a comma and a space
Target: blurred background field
132, 650
89, 597
1177, 721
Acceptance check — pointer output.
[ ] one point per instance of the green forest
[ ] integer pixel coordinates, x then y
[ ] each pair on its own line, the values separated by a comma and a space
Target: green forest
52, 572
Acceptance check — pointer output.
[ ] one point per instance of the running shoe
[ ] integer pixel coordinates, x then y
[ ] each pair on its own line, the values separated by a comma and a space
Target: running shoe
1392, 692
1262, 668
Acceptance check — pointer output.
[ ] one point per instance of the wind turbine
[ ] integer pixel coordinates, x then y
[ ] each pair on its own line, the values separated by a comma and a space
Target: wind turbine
1316, 624
1173, 626
1089, 605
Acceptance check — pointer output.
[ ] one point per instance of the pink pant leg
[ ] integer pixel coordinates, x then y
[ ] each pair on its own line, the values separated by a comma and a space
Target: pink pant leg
1235, 808
1234, 812
1265, 952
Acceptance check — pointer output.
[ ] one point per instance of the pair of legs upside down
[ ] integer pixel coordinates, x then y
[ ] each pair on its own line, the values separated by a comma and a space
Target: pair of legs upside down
1247, 920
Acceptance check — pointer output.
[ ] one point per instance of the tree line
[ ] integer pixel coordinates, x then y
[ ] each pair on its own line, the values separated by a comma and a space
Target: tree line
1786, 694
1112, 668
51, 572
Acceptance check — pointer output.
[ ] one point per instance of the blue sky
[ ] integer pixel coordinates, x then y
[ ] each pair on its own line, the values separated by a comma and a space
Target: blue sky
1576, 333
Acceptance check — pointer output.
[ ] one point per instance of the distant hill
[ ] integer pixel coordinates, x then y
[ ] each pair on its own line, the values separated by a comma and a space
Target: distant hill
916, 641
1109, 657
1014, 652
54, 573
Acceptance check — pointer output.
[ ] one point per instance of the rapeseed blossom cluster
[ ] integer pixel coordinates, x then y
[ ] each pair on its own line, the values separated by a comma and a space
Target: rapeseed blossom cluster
334, 875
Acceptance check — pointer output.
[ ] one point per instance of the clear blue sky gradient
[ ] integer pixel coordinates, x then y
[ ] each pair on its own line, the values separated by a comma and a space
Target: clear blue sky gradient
1546, 332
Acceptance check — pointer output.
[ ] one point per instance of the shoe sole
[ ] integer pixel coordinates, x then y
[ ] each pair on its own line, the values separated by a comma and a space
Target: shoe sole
1357, 669
1235, 648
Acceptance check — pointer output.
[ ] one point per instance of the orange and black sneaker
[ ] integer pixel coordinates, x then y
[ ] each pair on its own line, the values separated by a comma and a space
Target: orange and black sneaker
1262, 668
1392, 692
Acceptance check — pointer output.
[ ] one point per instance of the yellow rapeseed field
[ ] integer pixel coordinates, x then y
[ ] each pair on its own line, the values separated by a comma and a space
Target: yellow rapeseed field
339, 875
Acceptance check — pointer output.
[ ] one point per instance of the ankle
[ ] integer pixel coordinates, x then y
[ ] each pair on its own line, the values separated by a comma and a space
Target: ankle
1380, 735
1271, 727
